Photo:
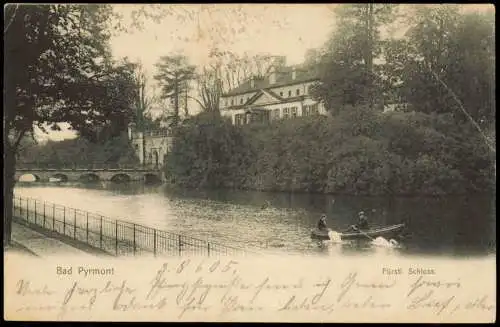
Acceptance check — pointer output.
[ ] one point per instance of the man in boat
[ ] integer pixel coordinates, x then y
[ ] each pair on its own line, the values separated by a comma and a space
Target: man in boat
322, 223
362, 223
266, 205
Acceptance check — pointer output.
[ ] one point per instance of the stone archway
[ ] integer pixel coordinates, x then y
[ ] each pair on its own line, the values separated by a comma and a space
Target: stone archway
121, 178
28, 177
58, 178
89, 178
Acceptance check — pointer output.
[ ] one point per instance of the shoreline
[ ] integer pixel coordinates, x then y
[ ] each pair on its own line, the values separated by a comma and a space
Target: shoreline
176, 187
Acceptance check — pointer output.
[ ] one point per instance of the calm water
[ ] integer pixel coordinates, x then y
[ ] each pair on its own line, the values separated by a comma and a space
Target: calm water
449, 226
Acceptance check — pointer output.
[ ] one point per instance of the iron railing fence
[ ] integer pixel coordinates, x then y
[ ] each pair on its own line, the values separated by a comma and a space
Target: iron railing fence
113, 236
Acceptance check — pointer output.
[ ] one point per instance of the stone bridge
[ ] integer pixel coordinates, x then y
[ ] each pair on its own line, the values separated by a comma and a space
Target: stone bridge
92, 174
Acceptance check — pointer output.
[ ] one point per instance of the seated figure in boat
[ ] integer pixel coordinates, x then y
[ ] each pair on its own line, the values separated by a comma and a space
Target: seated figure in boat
362, 223
322, 223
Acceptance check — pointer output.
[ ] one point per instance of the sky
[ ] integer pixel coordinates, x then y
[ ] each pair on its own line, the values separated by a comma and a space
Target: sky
194, 29
257, 28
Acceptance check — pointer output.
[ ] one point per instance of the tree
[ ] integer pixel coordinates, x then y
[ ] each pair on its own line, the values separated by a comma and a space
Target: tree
143, 105
445, 50
58, 69
174, 74
225, 71
210, 89
349, 74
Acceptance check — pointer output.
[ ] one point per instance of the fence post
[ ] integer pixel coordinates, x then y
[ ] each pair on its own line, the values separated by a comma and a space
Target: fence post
116, 237
54, 217
64, 220
43, 214
87, 227
35, 212
154, 242
74, 227
180, 245
134, 238
27, 210
100, 234
208, 247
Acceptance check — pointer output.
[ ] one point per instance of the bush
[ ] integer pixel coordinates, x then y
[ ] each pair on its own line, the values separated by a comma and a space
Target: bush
116, 150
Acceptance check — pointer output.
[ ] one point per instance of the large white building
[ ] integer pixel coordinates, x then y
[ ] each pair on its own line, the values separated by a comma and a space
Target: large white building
283, 93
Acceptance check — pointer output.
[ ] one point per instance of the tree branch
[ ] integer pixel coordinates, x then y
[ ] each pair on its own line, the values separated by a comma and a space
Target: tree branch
201, 104
11, 20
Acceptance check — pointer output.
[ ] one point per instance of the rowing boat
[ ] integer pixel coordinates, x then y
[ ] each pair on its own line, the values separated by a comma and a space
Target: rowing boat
372, 233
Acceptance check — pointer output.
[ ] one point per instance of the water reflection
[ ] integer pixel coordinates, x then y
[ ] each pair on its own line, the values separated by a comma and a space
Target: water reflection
283, 221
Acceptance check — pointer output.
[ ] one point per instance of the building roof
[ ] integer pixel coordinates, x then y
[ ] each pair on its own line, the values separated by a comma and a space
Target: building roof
283, 78
278, 99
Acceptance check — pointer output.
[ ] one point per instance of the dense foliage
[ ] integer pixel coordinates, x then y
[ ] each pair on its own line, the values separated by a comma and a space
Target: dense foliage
440, 73
357, 152
59, 68
80, 152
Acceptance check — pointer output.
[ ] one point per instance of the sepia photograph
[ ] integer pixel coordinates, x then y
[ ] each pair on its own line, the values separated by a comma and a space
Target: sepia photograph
249, 162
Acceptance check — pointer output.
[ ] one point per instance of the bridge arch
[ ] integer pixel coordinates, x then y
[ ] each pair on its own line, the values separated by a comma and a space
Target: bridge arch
89, 178
28, 177
59, 178
150, 178
121, 178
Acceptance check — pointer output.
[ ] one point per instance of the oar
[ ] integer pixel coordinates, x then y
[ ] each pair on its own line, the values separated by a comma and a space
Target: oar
359, 230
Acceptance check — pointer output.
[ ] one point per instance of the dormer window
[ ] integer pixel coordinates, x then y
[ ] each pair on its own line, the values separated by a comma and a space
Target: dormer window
289, 93
298, 92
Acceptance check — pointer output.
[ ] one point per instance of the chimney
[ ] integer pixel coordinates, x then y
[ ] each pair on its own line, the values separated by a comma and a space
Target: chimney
272, 76
130, 126
252, 82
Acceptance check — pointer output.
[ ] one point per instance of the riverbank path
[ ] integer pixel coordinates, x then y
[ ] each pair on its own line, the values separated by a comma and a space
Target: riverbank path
42, 245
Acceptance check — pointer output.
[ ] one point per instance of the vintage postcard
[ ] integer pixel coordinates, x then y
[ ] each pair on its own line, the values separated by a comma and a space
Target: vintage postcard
249, 163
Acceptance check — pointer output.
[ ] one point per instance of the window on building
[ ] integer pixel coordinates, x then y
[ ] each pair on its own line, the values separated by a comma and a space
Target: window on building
308, 89
232, 102
241, 101
239, 119
276, 114
314, 109
289, 93
286, 113
281, 93
297, 92
294, 112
